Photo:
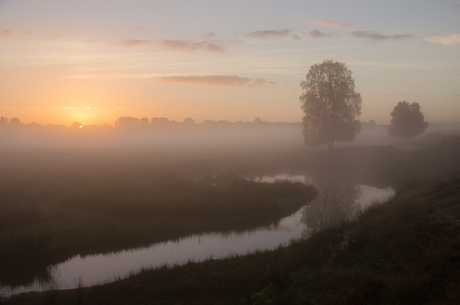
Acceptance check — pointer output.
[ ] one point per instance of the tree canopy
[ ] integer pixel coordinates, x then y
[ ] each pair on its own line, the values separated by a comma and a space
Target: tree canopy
330, 104
407, 120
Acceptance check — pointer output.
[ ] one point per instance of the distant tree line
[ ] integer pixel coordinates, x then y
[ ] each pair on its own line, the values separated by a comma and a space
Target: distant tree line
128, 122
16, 123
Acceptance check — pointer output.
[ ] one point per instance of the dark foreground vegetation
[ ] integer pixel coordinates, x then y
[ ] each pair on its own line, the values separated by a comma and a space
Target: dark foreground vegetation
66, 215
405, 251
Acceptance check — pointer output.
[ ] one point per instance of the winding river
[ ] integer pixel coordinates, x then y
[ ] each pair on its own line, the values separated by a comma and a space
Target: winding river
103, 268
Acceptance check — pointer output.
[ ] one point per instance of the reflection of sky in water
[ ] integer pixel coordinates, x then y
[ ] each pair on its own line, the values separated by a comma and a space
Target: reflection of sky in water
96, 269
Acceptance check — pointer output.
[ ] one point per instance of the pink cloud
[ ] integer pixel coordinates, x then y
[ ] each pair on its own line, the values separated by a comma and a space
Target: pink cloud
330, 24
6, 33
11, 33
218, 80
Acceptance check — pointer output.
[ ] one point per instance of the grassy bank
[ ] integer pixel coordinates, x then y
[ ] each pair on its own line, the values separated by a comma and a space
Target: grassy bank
133, 214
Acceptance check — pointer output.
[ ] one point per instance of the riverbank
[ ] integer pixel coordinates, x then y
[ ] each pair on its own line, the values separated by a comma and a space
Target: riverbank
405, 251
139, 213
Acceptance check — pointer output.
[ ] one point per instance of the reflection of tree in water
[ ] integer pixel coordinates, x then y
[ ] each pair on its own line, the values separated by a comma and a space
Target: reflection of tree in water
23, 261
333, 205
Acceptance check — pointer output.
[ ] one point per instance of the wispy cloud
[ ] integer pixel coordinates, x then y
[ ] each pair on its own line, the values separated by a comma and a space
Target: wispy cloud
12, 33
328, 23
272, 34
191, 46
376, 37
218, 80
448, 40
165, 70
318, 34
133, 42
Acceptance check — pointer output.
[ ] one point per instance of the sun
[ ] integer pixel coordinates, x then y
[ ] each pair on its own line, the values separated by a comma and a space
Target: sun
85, 114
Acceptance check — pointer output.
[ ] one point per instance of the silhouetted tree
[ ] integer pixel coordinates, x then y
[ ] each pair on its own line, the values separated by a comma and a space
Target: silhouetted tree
407, 121
189, 121
127, 122
163, 121
15, 122
330, 104
3, 121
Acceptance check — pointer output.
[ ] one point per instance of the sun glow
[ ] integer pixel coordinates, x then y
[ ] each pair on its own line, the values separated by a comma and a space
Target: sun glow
84, 114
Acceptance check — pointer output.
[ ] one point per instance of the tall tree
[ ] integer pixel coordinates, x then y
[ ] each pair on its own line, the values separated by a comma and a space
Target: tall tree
407, 121
330, 104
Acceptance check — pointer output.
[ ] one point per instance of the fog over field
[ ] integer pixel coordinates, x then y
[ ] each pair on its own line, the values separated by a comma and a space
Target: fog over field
186, 139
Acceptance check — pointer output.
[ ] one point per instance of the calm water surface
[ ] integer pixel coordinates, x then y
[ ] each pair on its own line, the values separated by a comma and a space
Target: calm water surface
103, 268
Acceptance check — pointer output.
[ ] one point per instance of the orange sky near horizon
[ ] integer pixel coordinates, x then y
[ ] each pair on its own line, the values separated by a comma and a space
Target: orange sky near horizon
221, 61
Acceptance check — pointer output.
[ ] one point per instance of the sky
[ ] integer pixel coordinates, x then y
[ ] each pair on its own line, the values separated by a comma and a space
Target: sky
94, 61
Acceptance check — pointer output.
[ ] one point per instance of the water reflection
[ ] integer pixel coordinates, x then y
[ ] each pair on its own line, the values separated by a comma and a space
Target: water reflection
334, 204
96, 269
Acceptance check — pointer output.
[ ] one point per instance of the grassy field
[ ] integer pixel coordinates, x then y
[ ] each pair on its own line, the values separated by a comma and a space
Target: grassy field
405, 251
76, 209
